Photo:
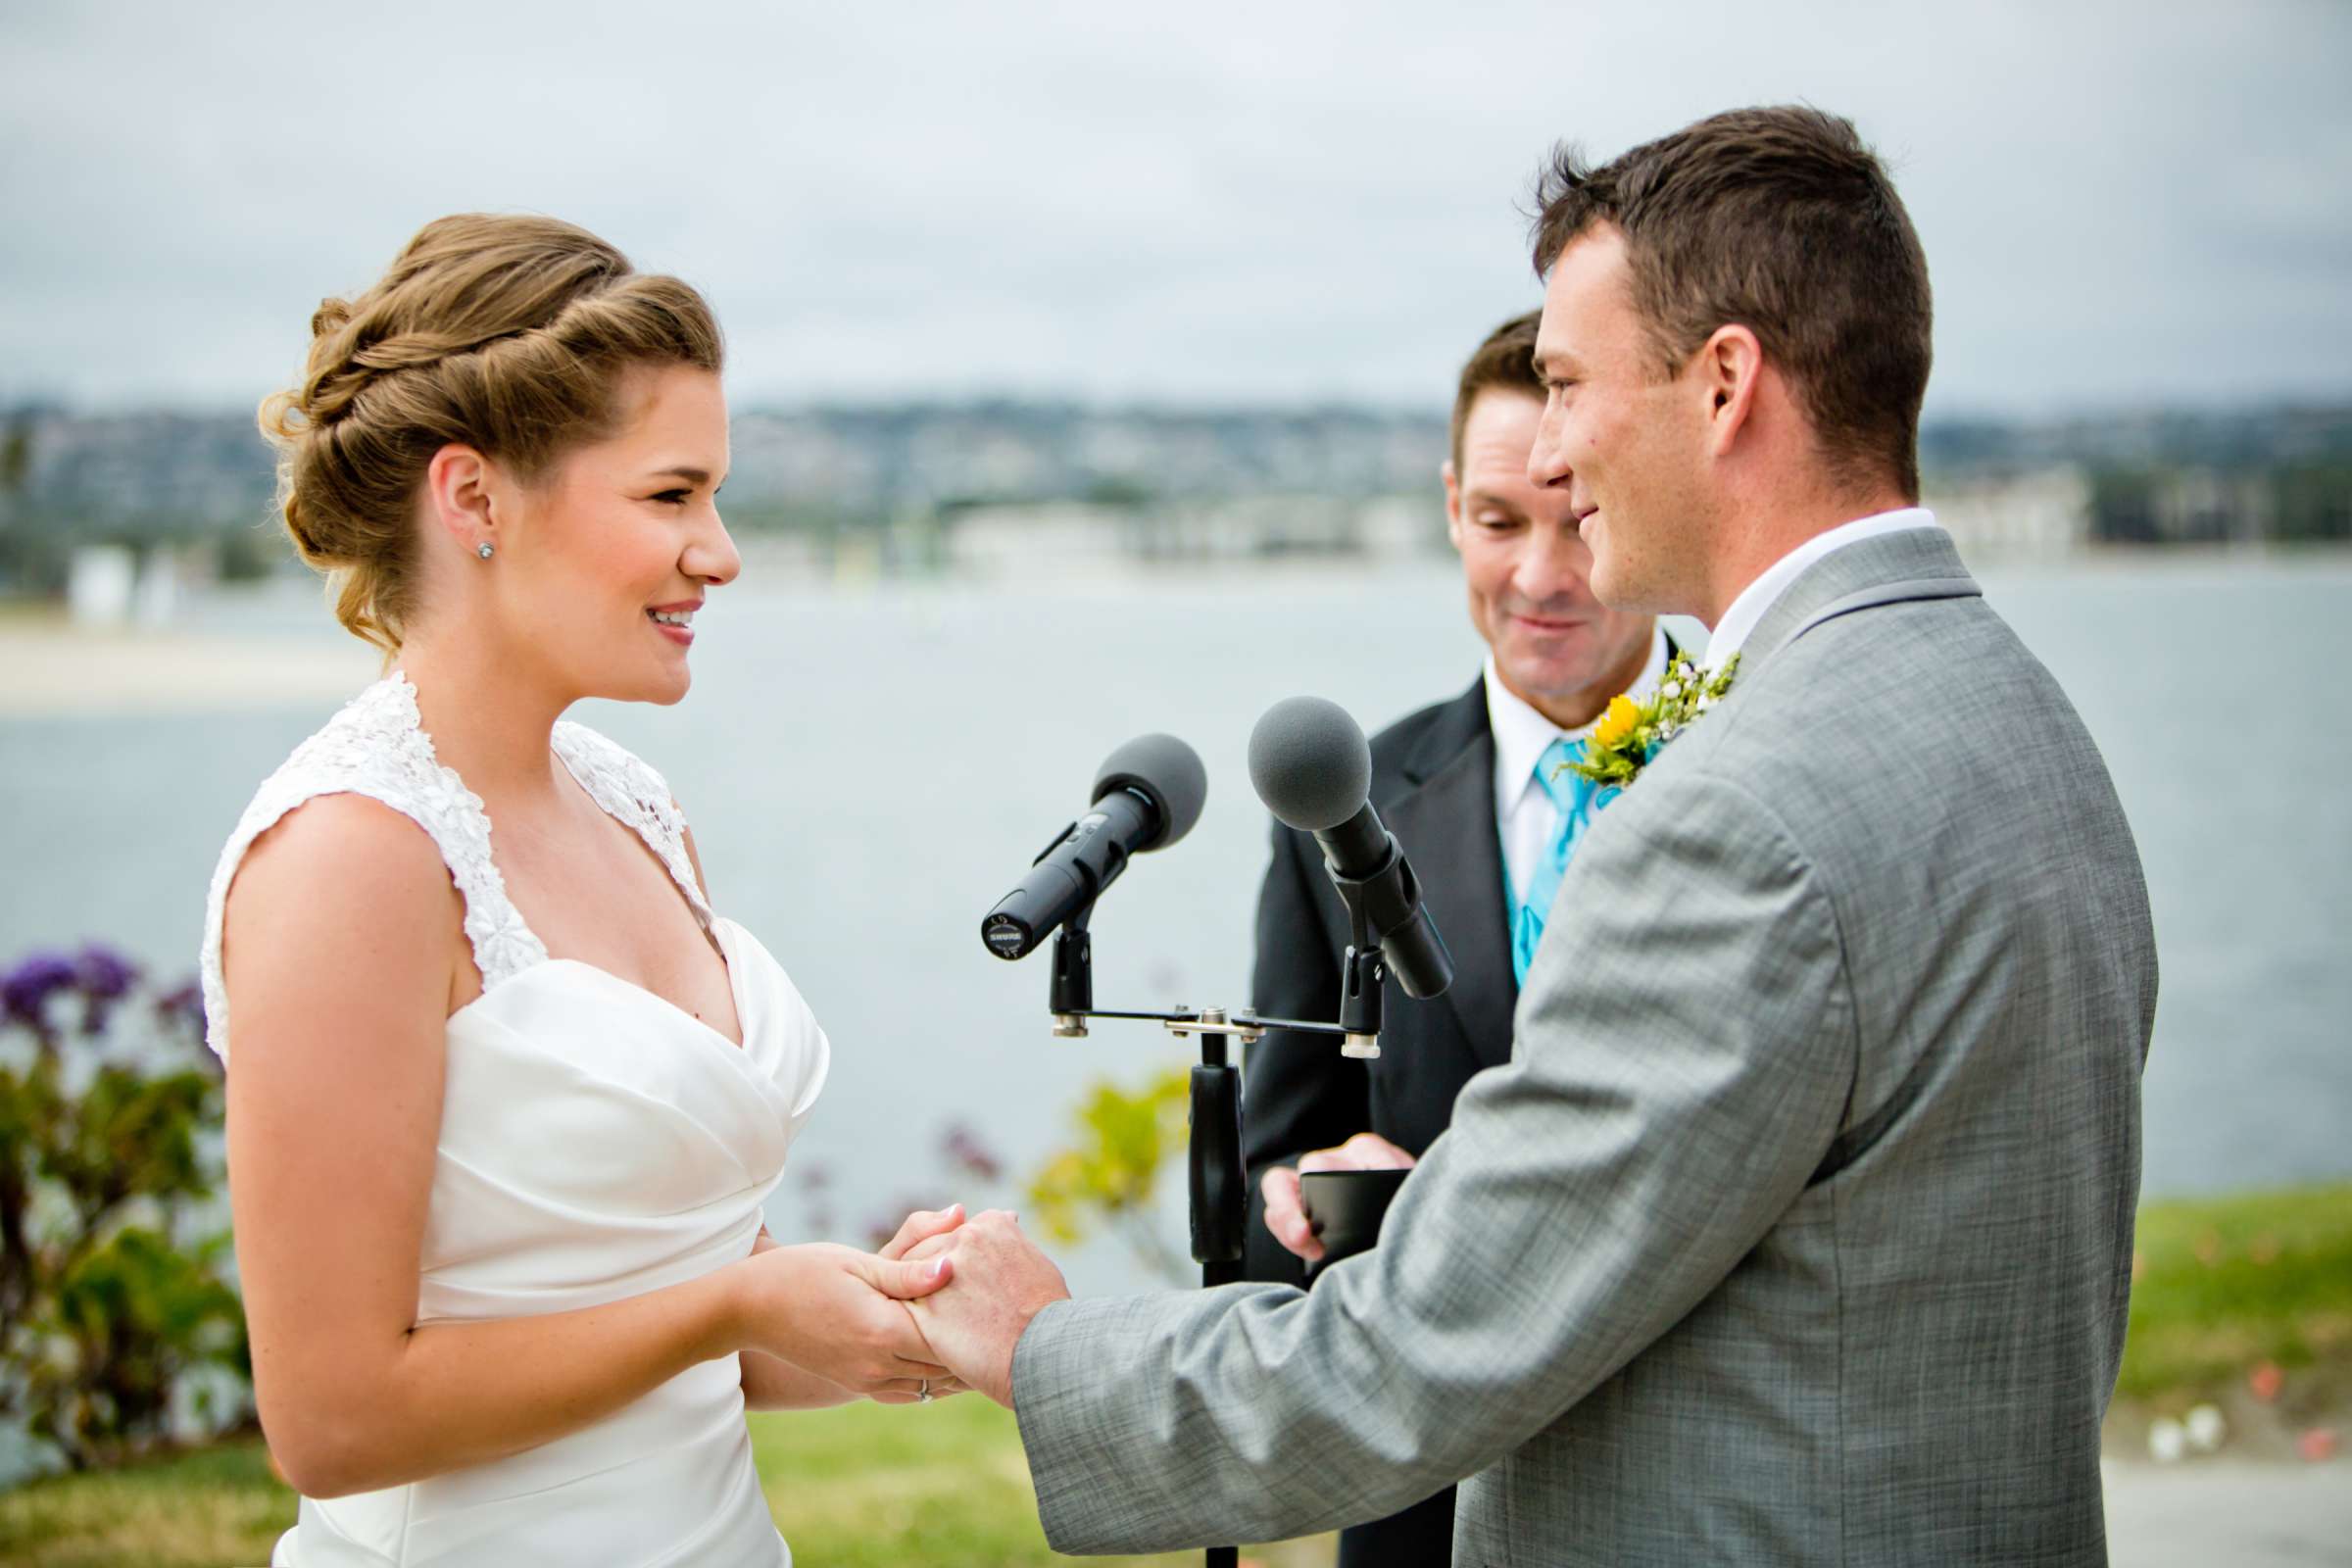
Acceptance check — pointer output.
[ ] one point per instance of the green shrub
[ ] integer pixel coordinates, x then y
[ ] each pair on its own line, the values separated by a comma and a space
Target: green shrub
119, 1321
1111, 1174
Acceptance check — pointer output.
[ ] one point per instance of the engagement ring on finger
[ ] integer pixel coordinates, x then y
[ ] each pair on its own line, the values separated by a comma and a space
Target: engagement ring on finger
922, 1393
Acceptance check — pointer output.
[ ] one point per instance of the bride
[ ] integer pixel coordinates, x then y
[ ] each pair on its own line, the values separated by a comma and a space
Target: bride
502, 1107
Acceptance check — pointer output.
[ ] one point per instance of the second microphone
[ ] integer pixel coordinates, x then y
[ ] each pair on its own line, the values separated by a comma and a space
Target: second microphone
1312, 768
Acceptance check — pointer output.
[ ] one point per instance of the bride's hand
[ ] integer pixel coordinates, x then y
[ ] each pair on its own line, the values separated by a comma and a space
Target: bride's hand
922, 1226
924, 1236
840, 1313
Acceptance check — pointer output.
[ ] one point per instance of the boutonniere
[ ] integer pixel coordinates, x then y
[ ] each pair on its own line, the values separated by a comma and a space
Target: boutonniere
1630, 734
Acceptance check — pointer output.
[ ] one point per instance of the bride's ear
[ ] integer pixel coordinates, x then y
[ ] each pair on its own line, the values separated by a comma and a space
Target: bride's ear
458, 482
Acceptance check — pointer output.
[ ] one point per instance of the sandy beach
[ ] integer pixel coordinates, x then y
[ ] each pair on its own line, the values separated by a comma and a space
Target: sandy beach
50, 669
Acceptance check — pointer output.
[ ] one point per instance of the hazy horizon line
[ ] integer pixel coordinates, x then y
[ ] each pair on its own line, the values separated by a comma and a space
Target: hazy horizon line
2281, 402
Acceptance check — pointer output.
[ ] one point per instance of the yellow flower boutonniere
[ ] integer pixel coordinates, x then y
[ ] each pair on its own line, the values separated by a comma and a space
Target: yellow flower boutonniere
1618, 724
1629, 734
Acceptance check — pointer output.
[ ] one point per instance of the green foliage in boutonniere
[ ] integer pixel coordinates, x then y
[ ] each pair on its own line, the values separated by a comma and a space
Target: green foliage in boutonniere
1629, 734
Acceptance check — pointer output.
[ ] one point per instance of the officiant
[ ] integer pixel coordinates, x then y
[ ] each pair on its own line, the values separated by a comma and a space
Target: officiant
1473, 789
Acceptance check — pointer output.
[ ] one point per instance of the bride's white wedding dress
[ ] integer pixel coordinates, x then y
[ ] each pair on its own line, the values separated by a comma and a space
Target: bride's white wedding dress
597, 1142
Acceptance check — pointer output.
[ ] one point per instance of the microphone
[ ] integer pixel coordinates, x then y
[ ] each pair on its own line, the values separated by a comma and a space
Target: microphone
1311, 767
1148, 794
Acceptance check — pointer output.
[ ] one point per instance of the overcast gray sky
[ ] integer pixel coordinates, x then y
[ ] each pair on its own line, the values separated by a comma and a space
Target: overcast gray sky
1266, 203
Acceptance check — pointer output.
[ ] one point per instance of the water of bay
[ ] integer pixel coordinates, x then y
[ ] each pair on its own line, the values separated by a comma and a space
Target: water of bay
867, 773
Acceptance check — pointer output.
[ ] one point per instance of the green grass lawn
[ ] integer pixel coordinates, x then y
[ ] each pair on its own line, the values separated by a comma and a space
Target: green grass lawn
862, 1486
2226, 1282
2223, 1284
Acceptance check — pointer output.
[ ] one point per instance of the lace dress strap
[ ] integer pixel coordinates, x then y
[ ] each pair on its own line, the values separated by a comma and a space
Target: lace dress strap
377, 747
629, 788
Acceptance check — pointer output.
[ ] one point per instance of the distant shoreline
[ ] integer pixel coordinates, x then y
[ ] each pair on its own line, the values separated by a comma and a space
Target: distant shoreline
51, 669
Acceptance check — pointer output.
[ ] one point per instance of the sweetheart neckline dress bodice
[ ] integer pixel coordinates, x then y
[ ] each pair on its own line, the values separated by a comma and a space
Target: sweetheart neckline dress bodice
597, 1142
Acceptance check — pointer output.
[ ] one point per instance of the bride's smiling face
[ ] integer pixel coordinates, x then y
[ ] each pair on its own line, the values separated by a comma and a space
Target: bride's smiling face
599, 563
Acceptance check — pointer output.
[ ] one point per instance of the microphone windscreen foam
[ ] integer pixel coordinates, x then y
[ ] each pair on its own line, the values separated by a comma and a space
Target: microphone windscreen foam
1167, 770
1309, 762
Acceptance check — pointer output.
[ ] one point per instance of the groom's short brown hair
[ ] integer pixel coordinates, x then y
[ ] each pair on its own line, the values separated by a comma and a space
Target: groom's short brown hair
1784, 222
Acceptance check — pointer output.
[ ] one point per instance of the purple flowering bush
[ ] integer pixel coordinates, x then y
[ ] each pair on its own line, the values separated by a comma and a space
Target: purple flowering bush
115, 1286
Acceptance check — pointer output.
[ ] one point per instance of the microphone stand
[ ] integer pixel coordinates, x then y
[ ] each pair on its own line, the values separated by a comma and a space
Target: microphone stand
1216, 1187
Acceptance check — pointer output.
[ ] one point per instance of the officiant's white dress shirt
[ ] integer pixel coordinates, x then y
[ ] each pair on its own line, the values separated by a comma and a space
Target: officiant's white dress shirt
1741, 617
1523, 812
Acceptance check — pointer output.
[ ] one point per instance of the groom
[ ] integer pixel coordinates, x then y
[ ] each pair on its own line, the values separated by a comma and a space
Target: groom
1798, 1227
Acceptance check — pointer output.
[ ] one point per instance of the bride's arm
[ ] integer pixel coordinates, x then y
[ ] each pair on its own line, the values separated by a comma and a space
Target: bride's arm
342, 964
771, 1383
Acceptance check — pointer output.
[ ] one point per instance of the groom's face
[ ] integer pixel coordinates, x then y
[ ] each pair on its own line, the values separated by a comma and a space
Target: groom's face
1617, 440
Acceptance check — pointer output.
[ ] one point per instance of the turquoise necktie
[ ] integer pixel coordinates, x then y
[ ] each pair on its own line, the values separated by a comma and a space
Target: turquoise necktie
1572, 795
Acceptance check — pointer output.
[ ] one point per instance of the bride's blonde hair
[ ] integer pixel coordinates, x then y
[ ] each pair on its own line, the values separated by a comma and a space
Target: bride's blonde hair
509, 334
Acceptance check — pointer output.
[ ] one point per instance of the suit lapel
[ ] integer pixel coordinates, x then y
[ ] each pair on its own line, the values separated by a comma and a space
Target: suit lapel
1445, 821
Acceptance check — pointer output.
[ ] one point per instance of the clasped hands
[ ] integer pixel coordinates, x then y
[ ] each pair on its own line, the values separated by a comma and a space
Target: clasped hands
1002, 1280
935, 1311
940, 1307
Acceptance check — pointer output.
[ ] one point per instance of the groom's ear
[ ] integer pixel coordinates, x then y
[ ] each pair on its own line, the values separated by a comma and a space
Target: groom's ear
1729, 370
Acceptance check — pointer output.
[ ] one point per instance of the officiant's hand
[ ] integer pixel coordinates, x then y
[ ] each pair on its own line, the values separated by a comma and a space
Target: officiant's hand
1286, 1210
1002, 1282
841, 1315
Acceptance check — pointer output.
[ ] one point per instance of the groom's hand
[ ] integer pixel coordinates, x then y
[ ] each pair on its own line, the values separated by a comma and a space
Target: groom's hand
1000, 1282
1286, 1210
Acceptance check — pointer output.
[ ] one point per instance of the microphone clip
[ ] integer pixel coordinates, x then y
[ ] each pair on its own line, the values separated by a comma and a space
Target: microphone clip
1380, 904
1070, 994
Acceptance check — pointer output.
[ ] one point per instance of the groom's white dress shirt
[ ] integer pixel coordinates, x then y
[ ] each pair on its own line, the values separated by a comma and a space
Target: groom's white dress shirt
1745, 612
1524, 812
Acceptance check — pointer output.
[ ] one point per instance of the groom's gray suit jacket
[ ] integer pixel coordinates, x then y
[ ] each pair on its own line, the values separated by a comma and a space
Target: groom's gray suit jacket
1798, 1227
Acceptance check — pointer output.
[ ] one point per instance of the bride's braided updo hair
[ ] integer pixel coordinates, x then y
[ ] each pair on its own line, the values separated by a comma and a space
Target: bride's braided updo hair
509, 334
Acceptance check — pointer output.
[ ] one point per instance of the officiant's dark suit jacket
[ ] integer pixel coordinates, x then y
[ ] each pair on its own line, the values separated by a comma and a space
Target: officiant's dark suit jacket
1433, 783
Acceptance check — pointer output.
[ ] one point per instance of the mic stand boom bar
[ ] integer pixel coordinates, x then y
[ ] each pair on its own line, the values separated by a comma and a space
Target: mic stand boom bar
1216, 1184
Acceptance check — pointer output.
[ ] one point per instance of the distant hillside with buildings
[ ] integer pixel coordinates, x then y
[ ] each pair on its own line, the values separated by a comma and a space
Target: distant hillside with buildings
995, 486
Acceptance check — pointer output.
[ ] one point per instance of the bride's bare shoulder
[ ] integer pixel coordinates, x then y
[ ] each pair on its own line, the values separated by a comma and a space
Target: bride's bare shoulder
343, 837
344, 877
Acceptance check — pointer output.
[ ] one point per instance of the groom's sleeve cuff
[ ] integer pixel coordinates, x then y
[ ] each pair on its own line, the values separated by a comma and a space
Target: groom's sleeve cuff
1088, 1432
1032, 1380
1045, 1403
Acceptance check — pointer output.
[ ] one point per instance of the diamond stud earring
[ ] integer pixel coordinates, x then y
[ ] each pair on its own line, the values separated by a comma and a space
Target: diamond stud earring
483, 550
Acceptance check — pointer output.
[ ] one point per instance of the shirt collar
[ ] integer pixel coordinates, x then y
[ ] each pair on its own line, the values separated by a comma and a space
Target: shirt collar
1746, 612
1522, 734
